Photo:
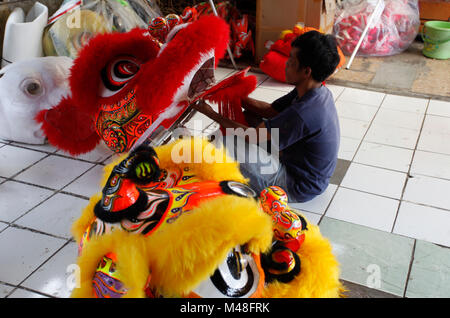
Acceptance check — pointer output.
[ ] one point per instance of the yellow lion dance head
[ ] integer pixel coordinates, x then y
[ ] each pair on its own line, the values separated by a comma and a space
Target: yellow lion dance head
193, 228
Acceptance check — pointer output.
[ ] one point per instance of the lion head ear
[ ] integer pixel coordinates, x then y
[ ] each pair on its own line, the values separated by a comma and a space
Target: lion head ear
68, 128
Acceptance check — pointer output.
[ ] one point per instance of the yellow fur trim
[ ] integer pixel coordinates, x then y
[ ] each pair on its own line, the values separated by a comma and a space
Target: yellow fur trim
319, 274
189, 250
80, 225
130, 252
202, 157
182, 254
213, 164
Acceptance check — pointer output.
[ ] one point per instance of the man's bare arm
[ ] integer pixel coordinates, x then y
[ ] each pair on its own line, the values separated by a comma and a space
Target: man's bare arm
261, 108
207, 110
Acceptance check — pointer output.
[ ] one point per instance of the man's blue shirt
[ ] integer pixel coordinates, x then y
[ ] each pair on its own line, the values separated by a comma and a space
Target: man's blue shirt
309, 137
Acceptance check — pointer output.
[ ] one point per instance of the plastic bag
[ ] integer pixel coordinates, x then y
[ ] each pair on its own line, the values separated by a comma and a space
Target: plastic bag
391, 34
145, 9
71, 27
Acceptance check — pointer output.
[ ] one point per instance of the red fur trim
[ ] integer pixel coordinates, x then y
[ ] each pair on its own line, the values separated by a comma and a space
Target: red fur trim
274, 65
229, 94
85, 73
164, 77
68, 129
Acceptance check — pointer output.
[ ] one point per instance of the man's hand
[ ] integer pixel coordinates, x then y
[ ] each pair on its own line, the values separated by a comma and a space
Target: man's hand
207, 110
203, 107
258, 107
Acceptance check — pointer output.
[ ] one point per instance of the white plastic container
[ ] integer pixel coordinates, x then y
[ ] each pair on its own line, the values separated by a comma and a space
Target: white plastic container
23, 34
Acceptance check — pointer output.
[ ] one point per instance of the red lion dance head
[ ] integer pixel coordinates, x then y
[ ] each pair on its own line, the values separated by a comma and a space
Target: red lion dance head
125, 86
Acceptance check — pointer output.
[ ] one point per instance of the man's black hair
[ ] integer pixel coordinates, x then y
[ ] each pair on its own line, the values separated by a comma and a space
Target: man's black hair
319, 52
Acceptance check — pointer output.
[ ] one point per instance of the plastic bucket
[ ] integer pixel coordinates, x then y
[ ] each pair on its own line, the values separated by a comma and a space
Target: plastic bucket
436, 39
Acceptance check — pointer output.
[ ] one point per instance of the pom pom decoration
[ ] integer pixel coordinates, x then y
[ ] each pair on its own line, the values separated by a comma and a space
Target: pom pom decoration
189, 15
159, 28
274, 62
173, 20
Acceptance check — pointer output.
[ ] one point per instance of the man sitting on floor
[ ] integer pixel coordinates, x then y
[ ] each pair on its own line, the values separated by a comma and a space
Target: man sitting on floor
302, 125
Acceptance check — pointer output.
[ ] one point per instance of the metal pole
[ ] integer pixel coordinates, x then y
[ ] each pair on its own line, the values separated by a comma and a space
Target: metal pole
228, 46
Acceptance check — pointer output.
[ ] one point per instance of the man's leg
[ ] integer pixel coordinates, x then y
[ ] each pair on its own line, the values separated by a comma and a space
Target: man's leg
255, 163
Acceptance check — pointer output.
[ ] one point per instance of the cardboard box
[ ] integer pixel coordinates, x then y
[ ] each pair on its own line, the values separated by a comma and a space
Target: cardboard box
433, 10
273, 17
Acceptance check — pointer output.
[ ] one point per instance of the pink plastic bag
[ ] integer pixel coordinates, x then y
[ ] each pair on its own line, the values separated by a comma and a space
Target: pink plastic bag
392, 33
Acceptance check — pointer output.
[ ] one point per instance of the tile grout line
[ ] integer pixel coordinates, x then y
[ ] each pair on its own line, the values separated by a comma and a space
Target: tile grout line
356, 151
386, 197
21, 287
25, 228
366, 192
410, 268
367, 130
339, 95
55, 153
379, 167
31, 184
399, 147
354, 155
25, 146
55, 192
81, 175
408, 175
68, 156
56, 252
328, 205
7, 226
28, 167
29, 290
434, 115
379, 143
427, 205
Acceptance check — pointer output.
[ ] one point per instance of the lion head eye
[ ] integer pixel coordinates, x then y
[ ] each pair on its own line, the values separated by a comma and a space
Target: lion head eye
116, 74
32, 87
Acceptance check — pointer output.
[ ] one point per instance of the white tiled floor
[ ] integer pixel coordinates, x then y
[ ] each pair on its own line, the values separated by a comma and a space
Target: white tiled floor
15, 159
405, 104
362, 96
363, 208
398, 181
423, 222
428, 191
374, 180
435, 135
88, 184
356, 111
318, 206
431, 164
384, 156
24, 251
348, 147
52, 217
